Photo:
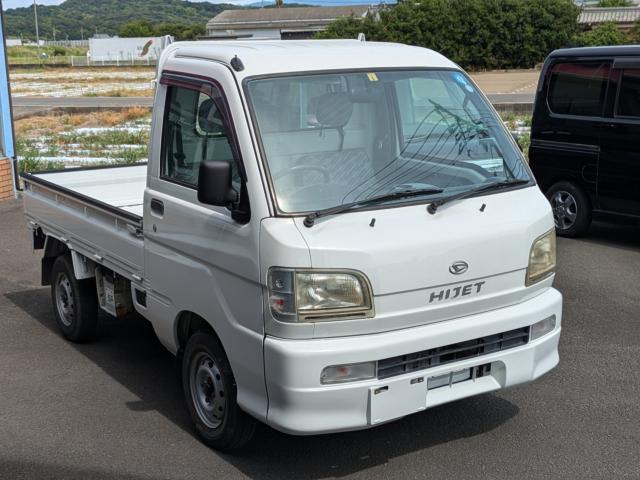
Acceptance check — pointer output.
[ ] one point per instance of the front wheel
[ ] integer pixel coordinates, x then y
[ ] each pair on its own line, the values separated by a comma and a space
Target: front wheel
210, 392
571, 209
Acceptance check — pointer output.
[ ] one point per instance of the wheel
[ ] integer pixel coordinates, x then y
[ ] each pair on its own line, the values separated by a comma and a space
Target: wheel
571, 209
75, 302
210, 392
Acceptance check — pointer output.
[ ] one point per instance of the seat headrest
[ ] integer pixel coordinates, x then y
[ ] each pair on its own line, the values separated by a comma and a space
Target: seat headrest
209, 118
333, 109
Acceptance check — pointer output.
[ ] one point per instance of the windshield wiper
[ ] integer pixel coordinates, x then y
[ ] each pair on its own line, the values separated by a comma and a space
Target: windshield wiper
310, 219
433, 206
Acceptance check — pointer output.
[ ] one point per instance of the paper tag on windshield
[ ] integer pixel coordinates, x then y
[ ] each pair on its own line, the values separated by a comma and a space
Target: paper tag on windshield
372, 77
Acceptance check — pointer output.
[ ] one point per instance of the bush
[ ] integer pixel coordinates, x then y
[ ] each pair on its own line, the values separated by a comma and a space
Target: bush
605, 34
477, 34
615, 3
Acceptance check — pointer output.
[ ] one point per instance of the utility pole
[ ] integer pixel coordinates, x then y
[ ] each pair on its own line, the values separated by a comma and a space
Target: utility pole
35, 14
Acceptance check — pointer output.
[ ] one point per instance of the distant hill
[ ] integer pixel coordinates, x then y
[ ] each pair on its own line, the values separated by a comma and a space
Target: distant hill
74, 18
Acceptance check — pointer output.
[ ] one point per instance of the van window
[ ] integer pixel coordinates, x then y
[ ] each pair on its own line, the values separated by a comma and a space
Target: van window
194, 130
629, 97
578, 88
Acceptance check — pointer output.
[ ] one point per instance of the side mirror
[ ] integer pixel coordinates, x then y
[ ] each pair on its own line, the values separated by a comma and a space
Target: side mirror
214, 184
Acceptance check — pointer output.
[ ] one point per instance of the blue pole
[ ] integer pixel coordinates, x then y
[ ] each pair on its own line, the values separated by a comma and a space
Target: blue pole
6, 121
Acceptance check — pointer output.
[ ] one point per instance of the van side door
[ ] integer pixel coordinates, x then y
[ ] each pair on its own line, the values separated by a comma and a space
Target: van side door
619, 164
567, 122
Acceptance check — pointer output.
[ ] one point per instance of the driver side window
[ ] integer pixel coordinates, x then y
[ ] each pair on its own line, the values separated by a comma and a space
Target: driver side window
195, 130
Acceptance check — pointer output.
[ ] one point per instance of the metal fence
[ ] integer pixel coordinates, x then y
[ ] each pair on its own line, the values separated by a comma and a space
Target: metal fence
80, 61
111, 62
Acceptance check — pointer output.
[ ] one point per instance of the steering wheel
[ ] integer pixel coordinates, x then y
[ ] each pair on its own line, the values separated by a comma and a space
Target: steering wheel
298, 169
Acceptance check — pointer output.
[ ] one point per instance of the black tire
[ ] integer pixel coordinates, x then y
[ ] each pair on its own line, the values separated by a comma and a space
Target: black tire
75, 302
571, 209
211, 395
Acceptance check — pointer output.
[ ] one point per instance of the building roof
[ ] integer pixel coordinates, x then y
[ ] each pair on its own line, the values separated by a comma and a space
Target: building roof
281, 17
269, 57
592, 16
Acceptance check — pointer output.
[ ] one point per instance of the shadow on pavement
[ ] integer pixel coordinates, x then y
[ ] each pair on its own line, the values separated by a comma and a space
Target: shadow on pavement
13, 469
274, 455
614, 233
129, 352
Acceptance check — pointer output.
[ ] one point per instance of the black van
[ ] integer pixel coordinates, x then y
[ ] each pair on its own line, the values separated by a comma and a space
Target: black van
585, 135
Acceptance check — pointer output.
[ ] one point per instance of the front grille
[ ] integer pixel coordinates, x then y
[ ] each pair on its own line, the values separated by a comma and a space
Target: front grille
433, 357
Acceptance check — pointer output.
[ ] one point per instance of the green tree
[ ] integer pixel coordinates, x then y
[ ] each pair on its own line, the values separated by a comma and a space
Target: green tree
180, 31
615, 3
477, 34
605, 34
83, 18
136, 29
635, 33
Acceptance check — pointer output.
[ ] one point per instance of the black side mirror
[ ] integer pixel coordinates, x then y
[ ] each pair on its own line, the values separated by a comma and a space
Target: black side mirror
214, 184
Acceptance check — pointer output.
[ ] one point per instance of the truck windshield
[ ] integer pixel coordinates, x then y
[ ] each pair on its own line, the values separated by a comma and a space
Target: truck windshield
333, 139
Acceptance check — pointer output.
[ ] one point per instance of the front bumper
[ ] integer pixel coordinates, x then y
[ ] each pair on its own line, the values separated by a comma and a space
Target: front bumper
300, 404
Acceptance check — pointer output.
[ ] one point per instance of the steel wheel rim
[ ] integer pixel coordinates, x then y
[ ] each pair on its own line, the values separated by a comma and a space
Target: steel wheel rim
207, 390
565, 209
64, 300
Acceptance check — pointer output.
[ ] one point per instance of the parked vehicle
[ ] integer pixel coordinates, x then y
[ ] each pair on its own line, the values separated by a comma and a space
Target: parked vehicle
585, 135
330, 235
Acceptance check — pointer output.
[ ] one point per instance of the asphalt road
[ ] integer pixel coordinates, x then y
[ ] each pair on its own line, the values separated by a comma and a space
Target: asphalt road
82, 102
114, 409
119, 102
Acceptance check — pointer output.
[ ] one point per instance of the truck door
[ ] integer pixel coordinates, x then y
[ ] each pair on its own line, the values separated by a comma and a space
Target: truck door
619, 165
198, 258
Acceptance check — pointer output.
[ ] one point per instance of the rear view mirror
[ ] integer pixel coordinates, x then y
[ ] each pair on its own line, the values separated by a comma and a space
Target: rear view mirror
214, 184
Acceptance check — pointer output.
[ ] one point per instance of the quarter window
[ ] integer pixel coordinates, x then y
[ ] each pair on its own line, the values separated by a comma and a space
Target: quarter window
629, 96
578, 88
195, 130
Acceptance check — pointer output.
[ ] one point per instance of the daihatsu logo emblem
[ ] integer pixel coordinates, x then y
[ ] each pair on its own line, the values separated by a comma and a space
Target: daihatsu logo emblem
459, 267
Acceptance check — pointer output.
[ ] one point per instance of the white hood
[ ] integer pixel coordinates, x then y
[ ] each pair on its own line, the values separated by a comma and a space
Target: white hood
407, 254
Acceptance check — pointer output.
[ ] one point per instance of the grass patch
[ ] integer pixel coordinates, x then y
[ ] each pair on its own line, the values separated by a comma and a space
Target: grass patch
122, 92
39, 139
24, 51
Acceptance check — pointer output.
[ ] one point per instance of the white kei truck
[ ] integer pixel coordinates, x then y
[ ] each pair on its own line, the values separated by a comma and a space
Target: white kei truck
329, 235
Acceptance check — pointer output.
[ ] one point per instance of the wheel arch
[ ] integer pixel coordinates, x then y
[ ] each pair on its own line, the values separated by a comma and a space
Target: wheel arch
53, 248
187, 323
564, 177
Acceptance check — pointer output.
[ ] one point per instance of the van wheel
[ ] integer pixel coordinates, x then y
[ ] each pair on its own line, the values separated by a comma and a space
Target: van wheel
210, 392
571, 209
75, 302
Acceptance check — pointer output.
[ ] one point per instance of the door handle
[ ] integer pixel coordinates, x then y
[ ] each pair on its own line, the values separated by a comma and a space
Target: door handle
157, 207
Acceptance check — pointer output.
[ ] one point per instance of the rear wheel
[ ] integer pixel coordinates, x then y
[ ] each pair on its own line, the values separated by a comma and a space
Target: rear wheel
75, 302
571, 209
210, 392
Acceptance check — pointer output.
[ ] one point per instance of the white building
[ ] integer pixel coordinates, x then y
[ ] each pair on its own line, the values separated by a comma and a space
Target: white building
127, 49
279, 23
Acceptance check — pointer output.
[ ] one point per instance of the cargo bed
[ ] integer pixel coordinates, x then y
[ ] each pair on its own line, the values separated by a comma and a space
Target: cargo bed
94, 211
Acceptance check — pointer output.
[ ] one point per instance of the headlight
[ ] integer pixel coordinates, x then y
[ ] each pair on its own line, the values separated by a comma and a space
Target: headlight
542, 259
309, 295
